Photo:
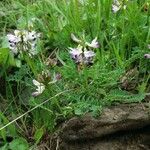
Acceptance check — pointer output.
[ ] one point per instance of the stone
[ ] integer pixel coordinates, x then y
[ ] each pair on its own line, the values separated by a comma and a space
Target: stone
120, 127
113, 119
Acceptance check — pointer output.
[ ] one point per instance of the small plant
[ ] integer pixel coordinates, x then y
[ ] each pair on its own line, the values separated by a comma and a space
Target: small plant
83, 55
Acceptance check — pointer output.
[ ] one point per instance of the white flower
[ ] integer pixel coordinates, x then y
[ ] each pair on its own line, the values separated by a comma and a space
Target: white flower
27, 35
147, 56
74, 38
40, 88
21, 34
32, 36
115, 8
89, 54
93, 44
17, 33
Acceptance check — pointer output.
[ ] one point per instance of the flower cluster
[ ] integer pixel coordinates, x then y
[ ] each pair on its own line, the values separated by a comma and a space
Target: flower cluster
117, 5
43, 80
23, 41
83, 53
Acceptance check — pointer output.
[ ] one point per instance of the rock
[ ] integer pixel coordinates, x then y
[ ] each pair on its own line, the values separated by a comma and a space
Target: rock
120, 141
113, 119
122, 127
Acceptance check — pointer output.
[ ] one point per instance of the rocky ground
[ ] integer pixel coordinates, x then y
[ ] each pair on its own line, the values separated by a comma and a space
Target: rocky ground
121, 127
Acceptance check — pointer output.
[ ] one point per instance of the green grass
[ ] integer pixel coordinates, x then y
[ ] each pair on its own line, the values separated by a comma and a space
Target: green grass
120, 72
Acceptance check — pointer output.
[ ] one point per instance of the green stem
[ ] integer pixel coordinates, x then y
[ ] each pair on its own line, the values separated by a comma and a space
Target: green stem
31, 64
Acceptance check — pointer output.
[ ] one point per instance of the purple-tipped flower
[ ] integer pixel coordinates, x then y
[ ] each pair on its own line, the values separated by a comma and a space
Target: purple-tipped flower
82, 55
13, 41
147, 56
93, 44
76, 52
